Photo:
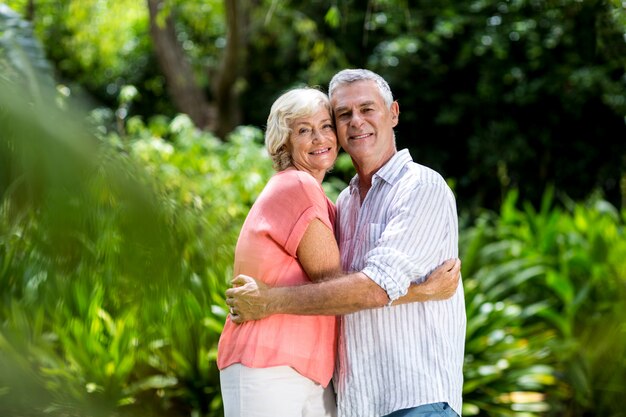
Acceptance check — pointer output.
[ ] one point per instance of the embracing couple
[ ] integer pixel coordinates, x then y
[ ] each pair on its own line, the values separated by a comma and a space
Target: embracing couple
353, 310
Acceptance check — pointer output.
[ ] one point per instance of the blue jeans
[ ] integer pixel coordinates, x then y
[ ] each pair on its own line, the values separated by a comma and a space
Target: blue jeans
426, 410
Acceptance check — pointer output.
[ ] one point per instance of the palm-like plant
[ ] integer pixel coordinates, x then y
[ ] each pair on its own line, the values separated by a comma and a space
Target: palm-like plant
561, 270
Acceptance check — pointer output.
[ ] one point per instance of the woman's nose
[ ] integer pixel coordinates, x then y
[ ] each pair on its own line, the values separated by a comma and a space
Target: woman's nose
316, 135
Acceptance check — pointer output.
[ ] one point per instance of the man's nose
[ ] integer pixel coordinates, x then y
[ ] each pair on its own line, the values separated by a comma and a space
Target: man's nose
356, 120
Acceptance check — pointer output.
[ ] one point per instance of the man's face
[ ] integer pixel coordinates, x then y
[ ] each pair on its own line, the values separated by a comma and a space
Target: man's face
364, 123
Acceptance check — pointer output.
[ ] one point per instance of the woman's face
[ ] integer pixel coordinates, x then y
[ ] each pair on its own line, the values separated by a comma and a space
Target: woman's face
313, 143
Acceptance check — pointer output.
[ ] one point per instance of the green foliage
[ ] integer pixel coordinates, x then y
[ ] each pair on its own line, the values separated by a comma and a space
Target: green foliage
560, 273
502, 95
517, 94
115, 255
116, 239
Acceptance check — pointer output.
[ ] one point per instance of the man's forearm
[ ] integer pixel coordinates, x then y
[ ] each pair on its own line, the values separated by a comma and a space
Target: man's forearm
249, 299
343, 295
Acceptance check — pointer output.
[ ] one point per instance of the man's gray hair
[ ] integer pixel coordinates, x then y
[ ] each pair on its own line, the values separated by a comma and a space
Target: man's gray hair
348, 76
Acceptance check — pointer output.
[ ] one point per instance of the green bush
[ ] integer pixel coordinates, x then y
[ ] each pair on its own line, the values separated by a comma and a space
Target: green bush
114, 257
561, 274
115, 251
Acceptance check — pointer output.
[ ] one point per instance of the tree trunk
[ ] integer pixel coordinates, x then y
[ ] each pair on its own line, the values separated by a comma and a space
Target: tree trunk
184, 91
30, 10
225, 89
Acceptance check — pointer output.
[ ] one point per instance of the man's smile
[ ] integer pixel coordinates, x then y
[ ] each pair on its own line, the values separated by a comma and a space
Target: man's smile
363, 136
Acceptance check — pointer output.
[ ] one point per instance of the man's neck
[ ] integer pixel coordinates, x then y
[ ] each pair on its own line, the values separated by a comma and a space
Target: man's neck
366, 171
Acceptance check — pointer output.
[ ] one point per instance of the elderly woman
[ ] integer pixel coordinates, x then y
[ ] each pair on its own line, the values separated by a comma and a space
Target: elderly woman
281, 366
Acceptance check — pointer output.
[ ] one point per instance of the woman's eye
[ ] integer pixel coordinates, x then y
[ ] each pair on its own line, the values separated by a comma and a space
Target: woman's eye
304, 131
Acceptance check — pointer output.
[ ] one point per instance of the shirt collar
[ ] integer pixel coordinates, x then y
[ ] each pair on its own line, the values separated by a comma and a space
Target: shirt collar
390, 172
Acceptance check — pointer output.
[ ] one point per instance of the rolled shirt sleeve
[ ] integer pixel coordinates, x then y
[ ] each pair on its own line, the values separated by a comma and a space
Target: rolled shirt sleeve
415, 235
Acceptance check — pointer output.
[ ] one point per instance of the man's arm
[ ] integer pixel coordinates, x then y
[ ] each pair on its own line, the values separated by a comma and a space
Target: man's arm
333, 293
346, 294
440, 284
319, 256
251, 300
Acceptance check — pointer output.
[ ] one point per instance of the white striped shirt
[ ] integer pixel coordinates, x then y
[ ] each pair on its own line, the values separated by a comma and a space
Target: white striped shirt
404, 356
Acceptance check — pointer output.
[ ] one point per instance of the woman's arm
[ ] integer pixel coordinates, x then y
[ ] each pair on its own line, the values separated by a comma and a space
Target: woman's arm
318, 252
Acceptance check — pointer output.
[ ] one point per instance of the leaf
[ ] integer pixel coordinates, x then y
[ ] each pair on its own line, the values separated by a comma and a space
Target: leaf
333, 17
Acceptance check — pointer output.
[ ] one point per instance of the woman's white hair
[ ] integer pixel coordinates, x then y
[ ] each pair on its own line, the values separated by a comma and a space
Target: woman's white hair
291, 105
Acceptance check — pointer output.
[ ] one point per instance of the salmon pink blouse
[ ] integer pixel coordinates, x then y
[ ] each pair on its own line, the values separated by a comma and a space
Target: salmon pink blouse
266, 250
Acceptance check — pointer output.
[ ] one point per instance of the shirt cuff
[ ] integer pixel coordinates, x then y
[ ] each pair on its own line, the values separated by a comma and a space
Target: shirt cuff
387, 282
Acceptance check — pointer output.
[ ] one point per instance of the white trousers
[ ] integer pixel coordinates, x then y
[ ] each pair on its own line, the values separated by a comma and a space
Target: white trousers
278, 391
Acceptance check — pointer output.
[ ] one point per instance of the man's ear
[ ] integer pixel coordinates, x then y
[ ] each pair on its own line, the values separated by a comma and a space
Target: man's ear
395, 113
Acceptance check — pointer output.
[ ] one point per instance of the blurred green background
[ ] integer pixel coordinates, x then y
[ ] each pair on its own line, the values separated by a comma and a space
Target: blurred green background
131, 150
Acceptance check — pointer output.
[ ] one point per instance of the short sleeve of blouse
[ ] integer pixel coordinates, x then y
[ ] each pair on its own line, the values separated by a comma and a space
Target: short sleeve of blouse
292, 200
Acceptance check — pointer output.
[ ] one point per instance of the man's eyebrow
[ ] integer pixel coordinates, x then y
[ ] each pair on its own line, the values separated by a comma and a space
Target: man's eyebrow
363, 104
